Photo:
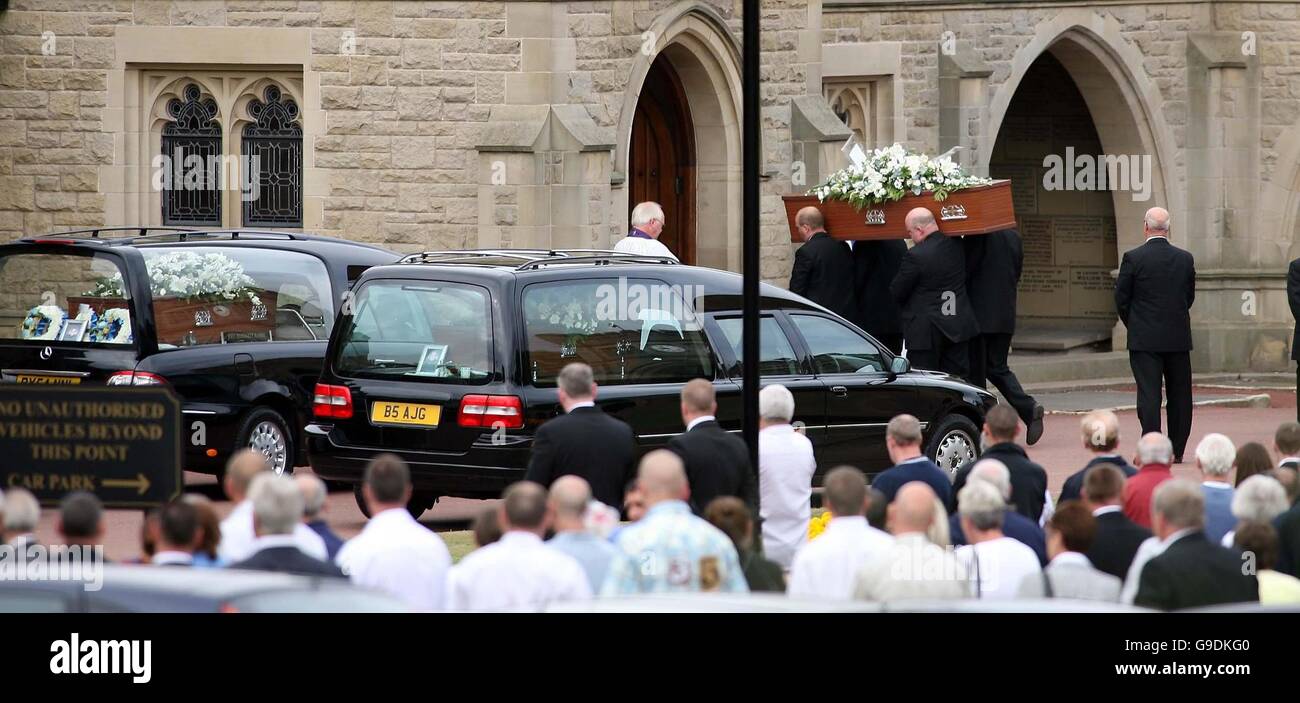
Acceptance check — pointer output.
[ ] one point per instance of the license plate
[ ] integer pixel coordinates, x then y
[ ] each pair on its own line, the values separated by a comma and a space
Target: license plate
49, 380
385, 413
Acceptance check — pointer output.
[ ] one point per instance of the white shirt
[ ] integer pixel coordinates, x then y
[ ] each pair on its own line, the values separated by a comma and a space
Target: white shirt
912, 568
785, 472
167, 558
1000, 565
1151, 548
399, 556
1105, 509
643, 247
826, 567
703, 418
237, 537
516, 572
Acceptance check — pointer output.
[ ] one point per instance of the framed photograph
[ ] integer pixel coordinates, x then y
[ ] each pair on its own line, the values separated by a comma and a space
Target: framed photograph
72, 331
431, 360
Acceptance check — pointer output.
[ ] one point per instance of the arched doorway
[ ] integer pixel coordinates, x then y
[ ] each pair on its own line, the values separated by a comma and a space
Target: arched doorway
661, 161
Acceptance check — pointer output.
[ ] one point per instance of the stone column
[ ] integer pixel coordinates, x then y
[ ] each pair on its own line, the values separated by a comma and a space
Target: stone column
963, 106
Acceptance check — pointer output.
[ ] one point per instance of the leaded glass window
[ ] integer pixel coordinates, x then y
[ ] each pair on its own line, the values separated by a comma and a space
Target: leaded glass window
272, 190
191, 150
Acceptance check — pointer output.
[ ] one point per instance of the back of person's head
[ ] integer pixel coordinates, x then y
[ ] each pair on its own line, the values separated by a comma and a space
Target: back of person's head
1103, 484
1290, 480
981, 503
388, 478
1075, 525
729, 514
486, 527
1259, 539
1180, 503
1252, 458
698, 397
1003, 423
1215, 455
661, 477
81, 516
776, 403
209, 524
243, 466
179, 524
22, 511
524, 506
1154, 448
576, 380
996, 473
912, 509
1287, 439
877, 508
1259, 498
277, 504
569, 496
1100, 430
845, 491
313, 494
904, 429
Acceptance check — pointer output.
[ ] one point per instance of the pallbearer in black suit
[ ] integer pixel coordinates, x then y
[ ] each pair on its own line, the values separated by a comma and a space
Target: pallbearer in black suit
993, 264
823, 266
1154, 295
716, 461
875, 264
584, 441
1293, 297
930, 288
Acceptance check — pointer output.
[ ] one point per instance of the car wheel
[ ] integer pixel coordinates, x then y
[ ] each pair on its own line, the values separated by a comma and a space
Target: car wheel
266, 433
420, 501
954, 444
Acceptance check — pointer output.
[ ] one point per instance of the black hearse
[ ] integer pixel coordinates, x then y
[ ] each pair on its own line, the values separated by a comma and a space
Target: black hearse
235, 321
449, 359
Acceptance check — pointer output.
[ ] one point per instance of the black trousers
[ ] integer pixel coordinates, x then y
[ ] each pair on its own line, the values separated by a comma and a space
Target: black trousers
988, 362
947, 356
1175, 368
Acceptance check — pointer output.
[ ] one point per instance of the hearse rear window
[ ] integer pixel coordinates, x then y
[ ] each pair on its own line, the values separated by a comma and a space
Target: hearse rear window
429, 331
48, 299
627, 330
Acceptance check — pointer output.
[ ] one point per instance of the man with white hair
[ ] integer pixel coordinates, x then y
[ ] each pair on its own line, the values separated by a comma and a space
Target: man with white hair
1014, 525
995, 563
237, 530
785, 472
1154, 455
277, 512
22, 512
1215, 456
1153, 296
1190, 571
1260, 498
647, 224
314, 495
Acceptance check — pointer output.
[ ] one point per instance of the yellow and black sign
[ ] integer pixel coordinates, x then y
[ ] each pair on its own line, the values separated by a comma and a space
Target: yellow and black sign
122, 444
419, 414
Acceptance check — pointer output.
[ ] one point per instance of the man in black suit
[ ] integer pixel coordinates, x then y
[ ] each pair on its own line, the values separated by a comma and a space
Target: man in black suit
823, 266
178, 533
1101, 437
1028, 479
277, 510
930, 288
875, 263
1118, 537
584, 441
993, 264
716, 461
1192, 571
1154, 295
1293, 298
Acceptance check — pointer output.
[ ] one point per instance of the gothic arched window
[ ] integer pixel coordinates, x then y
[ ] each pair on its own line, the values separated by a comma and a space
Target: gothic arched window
191, 150
272, 189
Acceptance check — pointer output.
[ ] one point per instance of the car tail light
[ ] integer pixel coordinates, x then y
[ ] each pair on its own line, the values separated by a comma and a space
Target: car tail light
488, 410
135, 378
332, 401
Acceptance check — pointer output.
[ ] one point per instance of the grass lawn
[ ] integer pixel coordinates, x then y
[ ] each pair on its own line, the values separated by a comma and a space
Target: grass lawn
459, 543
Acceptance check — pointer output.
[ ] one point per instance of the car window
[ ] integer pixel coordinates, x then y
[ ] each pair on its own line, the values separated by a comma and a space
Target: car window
776, 356
221, 295
627, 330
836, 348
431, 331
44, 299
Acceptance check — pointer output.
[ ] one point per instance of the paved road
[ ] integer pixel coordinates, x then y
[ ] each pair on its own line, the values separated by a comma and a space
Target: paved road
1060, 452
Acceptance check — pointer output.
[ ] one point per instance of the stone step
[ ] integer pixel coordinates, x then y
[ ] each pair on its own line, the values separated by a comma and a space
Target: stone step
1057, 368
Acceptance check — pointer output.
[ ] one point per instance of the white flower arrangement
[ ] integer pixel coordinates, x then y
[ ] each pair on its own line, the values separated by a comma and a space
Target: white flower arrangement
892, 173
52, 315
189, 275
114, 327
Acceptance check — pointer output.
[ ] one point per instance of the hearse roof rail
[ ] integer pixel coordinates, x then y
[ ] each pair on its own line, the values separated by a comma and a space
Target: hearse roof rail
532, 259
601, 259
108, 233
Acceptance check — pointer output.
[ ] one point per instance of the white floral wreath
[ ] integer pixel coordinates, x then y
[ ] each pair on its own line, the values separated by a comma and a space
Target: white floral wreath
53, 315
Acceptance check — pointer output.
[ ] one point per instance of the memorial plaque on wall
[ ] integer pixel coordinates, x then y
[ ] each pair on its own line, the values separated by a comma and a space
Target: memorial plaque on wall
1036, 240
1077, 241
1092, 292
1044, 291
1024, 187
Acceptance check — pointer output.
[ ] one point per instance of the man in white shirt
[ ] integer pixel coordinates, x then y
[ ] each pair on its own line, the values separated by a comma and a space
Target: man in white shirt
647, 225
785, 471
826, 567
237, 535
912, 567
518, 571
996, 564
394, 553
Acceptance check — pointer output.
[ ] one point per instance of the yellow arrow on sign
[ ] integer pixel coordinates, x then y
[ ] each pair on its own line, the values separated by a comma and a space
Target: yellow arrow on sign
140, 482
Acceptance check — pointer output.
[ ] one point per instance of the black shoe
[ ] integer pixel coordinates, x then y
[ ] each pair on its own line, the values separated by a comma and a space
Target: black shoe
1035, 427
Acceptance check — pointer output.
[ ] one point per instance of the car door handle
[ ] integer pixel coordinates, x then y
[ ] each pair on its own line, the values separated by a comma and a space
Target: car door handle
840, 391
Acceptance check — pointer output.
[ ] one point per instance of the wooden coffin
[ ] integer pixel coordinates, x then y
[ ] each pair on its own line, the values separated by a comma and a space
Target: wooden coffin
977, 210
182, 322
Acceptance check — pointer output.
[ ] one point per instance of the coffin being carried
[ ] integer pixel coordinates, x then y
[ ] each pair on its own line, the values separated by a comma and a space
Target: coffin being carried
871, 198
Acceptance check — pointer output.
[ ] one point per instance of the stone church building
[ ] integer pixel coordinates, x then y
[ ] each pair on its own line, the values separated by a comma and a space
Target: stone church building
424, 125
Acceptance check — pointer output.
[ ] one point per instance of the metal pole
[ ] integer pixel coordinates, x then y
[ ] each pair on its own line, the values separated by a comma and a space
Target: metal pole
750, 238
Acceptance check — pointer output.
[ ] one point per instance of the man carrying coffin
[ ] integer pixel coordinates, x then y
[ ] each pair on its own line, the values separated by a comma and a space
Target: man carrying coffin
823, 266
930, 289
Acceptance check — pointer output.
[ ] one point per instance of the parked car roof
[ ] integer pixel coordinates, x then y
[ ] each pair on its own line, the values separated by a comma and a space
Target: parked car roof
150, 236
